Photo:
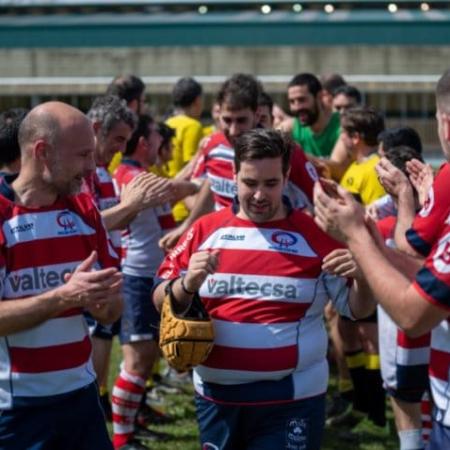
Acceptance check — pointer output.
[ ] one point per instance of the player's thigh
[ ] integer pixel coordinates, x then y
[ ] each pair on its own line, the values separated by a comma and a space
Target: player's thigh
140, 319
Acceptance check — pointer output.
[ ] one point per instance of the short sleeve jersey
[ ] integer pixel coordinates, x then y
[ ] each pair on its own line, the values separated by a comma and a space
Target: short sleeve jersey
321, 144
361, 180
404, 360
216, 163
38, 247
141, 255
430, 236
428, 223
188, 133
104, 194
266, 301
433, 284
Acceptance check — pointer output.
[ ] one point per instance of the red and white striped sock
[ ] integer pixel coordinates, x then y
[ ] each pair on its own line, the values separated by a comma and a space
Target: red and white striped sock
426, 406
126, 396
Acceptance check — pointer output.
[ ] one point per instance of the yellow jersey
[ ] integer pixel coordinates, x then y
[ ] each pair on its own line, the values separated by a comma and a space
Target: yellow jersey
361, 180
188, 133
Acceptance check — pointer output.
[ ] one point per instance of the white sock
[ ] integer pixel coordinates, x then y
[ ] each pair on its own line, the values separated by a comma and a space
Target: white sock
411, 439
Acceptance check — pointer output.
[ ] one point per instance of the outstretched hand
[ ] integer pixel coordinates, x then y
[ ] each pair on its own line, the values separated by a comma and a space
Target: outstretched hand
147, 191
336, 211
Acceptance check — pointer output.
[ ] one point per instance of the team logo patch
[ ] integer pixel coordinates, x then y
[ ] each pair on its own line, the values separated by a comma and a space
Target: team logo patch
296, 434
284, 240
441, 259
66, 222
428, 205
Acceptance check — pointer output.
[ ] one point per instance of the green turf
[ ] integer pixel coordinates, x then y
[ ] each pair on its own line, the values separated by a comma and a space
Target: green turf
184, 434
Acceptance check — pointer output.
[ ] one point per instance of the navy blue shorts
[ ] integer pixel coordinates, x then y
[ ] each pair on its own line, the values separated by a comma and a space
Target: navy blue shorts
105, 332
439, 437
140, 319
73, 423
292, 426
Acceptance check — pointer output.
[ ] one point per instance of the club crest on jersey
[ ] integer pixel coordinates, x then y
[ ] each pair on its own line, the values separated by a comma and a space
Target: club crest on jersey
284, 241
296, 437
66, 223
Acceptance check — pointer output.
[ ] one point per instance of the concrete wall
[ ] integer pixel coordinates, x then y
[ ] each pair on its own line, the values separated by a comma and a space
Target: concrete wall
178, 61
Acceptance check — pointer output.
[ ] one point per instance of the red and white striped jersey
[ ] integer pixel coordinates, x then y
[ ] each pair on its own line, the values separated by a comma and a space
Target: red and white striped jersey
404, 360
38, 247
266, 301
216, 163
429, 221
433, 284
141, 254
104, 194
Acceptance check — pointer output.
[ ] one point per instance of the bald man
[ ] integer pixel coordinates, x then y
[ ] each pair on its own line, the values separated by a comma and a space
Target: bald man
55, 263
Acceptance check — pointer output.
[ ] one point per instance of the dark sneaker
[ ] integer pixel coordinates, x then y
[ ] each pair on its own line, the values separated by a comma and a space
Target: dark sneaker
134, 445
147, 415
105, 403
145, 434
338, 410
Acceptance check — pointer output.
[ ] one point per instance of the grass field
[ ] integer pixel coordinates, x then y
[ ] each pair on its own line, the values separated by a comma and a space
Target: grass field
184, 434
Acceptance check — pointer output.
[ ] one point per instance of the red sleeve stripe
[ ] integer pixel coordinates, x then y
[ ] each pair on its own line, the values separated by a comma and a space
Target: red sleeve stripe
406, 342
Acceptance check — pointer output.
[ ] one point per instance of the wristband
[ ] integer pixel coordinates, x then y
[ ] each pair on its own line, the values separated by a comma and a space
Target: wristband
186, 291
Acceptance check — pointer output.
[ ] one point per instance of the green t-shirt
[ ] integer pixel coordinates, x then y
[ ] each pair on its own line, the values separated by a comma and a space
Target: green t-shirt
317, 144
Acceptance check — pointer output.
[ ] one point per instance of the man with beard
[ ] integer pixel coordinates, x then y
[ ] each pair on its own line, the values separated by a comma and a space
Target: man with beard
417, 296
113, 124
256, 266
56, 262
314, 127
238, 100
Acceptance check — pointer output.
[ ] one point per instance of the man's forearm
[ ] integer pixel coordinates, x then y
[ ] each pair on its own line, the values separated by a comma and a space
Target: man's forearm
182, 298
384, 273
117, 217
361, 301
21, 314
405, 218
